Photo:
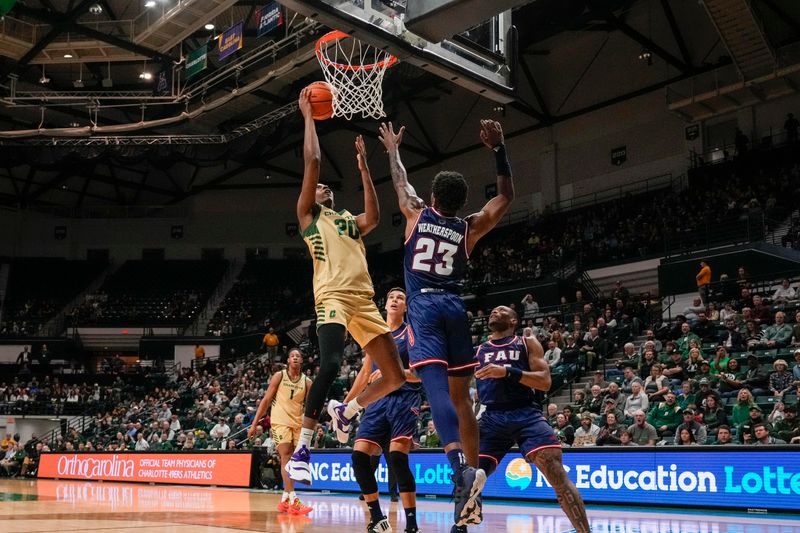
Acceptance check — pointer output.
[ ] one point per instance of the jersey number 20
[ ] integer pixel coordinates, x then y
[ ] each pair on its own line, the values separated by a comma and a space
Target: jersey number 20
347, 227
424, 253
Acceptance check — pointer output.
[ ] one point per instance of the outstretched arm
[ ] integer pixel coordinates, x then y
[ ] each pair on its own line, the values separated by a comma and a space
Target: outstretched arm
410, 204
266, 401
368, 220
487, 218
311, 164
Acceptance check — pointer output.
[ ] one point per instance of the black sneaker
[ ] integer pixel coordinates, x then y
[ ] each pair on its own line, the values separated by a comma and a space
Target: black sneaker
458, 529
468, 502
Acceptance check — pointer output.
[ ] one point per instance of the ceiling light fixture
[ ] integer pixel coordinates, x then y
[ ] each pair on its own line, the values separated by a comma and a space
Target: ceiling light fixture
44, 79
95, 9
150, 3
145, 76
67, 55
209, 26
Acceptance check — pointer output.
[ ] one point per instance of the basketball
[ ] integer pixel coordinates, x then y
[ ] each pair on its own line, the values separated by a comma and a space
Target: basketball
321, 98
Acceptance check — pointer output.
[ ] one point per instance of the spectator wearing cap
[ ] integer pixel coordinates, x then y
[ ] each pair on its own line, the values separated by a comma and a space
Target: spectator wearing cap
689, 423
724, 437
665, 416
763, 437
705, 390
221, 430
755, 379
586, 435
778, 335
796, 369
747, 429
789, 426
780, 381
643, 433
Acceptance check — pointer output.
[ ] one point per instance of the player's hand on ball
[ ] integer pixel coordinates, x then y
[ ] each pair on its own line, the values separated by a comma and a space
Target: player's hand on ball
304, 103
361, 154
491, 133
388, 137
375, 376
492, 371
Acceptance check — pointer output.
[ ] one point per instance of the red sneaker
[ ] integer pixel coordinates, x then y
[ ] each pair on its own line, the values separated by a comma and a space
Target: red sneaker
297, 508
283, 507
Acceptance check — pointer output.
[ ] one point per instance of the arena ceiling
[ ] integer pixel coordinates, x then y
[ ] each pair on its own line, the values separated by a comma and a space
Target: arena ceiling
575, 57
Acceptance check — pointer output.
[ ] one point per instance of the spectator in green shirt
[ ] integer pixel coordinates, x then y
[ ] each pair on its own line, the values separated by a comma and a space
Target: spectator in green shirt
665, 416
741, 409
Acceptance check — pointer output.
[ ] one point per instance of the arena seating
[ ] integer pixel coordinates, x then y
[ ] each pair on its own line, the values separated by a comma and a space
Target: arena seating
151, 293
38, 289
267, 292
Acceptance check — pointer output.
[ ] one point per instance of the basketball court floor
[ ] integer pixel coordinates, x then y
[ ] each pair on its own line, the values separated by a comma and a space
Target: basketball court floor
38, 506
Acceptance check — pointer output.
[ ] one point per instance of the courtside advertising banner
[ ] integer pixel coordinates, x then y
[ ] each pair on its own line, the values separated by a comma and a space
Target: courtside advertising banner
224, 469
757, 479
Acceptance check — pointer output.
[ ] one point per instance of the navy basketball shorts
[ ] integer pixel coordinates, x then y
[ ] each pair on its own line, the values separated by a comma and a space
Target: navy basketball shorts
526, 427
393, 417
439, 332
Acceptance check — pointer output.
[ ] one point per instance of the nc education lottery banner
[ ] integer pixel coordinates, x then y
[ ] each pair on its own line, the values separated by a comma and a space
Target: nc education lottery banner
227, 469
741, 480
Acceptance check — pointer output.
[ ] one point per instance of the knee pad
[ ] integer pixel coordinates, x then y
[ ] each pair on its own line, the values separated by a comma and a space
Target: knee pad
365, 475
405, 479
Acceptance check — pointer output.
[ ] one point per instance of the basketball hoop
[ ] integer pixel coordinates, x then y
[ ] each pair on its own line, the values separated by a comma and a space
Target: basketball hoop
355, 71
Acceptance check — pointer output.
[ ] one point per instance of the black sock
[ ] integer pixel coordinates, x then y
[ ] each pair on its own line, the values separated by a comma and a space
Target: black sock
376, 515
411, 518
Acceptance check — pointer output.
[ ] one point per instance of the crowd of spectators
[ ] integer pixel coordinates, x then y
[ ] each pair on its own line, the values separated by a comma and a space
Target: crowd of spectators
709, 377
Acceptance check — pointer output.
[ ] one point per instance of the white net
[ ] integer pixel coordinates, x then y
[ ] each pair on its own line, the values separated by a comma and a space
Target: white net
355, 71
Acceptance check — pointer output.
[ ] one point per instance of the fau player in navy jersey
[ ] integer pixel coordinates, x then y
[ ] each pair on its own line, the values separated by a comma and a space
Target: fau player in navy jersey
388, 425
510, 371
437, 246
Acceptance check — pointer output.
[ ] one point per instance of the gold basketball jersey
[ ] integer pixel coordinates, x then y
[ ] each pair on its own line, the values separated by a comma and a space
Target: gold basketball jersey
340, 260
289, 401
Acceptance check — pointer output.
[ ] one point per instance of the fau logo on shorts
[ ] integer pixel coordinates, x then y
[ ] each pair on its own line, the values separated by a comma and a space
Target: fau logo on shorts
500, 356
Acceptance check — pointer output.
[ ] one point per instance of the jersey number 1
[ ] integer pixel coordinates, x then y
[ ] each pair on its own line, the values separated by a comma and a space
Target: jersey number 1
424, 253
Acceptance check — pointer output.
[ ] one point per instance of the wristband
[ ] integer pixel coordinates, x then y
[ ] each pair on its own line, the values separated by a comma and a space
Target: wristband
501, 160
513, 374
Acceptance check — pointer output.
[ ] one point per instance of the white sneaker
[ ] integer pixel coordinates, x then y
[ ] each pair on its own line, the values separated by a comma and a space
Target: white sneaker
380, 527
339, 421
299, 467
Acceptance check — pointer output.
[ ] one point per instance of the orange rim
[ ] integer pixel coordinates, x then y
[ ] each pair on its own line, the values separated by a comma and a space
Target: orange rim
336, 35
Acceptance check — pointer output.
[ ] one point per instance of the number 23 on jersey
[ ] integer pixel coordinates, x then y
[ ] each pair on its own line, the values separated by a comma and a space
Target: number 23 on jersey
432, 255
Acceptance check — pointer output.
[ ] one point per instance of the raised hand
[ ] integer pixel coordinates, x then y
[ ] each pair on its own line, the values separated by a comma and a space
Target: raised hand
304, 102
491, 133
361, 154
391, 140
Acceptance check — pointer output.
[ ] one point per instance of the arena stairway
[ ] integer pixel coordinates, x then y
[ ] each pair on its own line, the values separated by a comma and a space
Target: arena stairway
637, 277
741, 31
56, 325
198, 327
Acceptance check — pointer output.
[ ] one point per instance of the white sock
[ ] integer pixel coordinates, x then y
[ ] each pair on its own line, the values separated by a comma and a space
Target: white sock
352, 408
306, 435
284, 496
292, 496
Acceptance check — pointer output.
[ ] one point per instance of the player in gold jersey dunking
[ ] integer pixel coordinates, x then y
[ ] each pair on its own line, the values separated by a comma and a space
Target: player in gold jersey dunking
343, 294
286, 395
